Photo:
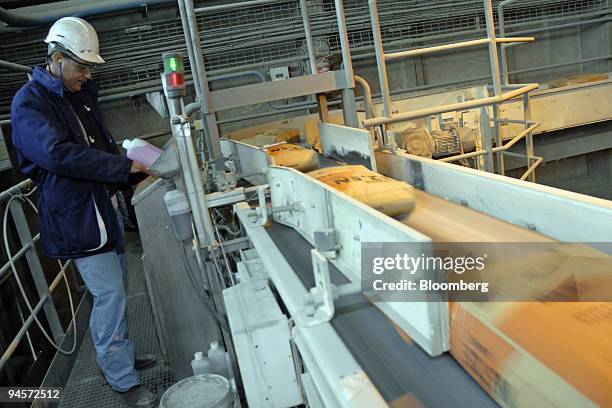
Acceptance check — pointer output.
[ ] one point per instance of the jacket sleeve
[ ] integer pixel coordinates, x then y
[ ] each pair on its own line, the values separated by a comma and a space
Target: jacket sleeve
42, 140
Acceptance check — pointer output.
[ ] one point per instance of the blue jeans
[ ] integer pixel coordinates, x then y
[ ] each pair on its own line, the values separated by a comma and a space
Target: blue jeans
104, 274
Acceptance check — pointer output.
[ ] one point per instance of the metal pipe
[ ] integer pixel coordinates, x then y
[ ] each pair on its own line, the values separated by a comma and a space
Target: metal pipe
194, 186
75, 8
517, 138
191, 173
191, 108
380, 58
15, 67
7, 266
502, 33
367, 94
348, 93
453, 46
308, 32
437, 48
529, 147
515, 121
24, 328
501, 167
208, 113
530, 171
234, 5
28, 337
449, 108
524, 89
492, 47
497, 84
16, 189
511, 40
189, 45
513, 154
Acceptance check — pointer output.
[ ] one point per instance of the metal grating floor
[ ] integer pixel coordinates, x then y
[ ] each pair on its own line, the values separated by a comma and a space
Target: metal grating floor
86, 386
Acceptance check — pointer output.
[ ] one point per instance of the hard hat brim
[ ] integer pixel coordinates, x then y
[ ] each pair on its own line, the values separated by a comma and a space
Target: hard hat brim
96, 59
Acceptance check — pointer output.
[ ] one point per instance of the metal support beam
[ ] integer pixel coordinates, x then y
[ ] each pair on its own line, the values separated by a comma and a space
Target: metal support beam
380, 58
529, 139
38, 275
492, 47
275, 90
308, 32
502, 33
208, 111
194, 185
486, 139
348, 94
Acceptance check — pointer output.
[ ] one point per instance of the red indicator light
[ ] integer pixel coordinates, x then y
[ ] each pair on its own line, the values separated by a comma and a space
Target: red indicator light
175, 79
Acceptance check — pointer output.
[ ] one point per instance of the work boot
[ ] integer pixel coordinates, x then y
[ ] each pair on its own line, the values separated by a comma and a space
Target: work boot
144, 360
138, 397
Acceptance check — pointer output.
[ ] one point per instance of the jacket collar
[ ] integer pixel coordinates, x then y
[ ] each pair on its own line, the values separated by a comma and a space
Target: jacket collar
52, 84
47, 80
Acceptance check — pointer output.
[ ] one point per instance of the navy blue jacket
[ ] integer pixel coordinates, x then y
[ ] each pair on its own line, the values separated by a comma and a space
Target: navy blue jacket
53, 152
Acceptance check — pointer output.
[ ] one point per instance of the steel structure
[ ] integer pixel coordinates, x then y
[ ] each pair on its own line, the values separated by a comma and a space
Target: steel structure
499, 94
252, 46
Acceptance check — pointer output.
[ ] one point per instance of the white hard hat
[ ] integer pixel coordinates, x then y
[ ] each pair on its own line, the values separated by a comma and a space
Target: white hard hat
77, 36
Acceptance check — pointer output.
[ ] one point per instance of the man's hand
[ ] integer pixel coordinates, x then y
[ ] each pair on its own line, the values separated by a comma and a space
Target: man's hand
138, 167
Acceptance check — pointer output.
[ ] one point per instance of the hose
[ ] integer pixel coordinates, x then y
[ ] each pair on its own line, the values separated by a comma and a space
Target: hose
75, 9
20, 285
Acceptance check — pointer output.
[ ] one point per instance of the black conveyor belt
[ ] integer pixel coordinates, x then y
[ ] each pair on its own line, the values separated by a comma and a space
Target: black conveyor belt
396, 367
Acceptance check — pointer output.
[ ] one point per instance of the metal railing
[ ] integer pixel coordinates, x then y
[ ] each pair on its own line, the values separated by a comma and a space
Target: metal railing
500, 93
13, 198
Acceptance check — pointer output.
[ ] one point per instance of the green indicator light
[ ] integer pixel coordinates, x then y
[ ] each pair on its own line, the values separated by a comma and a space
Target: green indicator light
173, 64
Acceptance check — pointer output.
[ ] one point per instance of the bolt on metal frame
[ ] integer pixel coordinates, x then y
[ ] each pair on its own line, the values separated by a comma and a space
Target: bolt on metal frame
500, 93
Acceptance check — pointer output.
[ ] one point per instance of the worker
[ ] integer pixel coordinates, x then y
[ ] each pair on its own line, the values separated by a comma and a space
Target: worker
64, 147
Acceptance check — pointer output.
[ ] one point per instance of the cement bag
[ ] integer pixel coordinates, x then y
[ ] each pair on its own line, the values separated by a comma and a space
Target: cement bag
272, 136
386, 195
294, 156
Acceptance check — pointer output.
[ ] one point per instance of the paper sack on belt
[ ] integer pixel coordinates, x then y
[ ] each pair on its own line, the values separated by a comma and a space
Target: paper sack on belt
386, 195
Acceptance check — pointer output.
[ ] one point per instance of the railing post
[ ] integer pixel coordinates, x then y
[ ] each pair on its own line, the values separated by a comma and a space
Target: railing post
486, 138
25, 237
380, 58
308, 33
529, 137
497, 87
349, 106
